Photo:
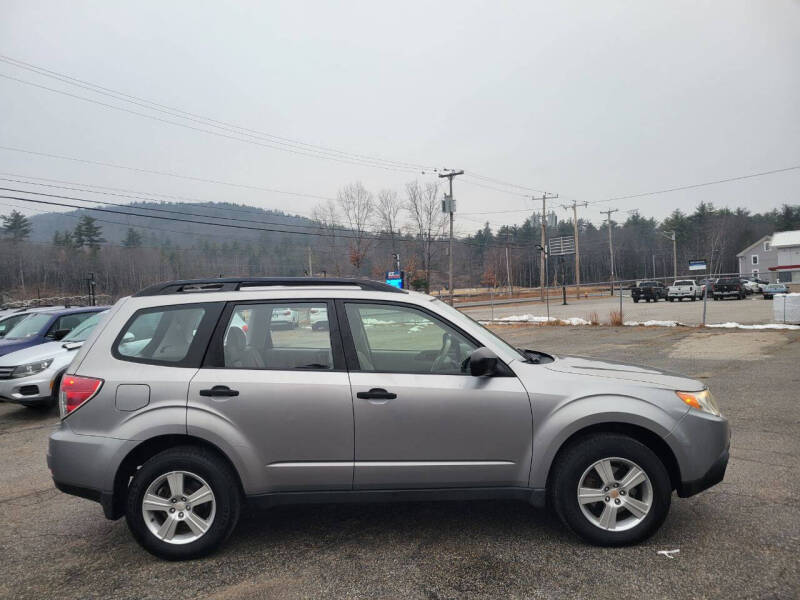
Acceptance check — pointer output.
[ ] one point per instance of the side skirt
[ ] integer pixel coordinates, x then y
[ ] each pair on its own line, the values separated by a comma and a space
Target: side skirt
535, 497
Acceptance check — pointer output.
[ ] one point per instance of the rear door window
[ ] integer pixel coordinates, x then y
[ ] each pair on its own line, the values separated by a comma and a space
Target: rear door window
278, 336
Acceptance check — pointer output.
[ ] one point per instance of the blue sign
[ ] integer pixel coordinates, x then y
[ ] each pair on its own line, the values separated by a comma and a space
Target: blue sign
697, 265
396, 279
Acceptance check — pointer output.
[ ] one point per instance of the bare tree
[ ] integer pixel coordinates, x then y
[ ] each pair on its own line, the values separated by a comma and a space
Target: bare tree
357, 207
387, 215
327, 216
428, 219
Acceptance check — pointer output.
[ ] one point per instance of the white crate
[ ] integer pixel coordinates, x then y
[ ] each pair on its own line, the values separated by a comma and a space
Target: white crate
786, 308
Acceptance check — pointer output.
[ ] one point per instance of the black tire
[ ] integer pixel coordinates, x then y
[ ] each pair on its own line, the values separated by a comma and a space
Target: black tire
220, 478
636, 301
577, 458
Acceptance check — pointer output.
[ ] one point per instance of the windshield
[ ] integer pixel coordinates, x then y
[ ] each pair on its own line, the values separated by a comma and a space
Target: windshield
8, 323
29, 326
684, 283
456, 315
82, 331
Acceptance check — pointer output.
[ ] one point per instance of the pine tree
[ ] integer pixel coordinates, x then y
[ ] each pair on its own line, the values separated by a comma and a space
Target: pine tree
16, 225
133, 239
88, 234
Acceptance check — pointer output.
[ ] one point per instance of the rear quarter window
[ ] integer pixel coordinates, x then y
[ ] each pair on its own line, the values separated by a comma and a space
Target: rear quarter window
167, 335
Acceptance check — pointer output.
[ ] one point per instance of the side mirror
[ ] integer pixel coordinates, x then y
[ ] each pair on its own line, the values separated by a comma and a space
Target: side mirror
60, 333
482, 363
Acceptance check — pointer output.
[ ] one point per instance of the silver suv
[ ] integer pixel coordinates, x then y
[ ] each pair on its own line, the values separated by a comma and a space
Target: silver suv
186, 402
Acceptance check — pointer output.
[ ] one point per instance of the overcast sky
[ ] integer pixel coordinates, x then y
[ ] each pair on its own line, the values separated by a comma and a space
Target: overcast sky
585, 99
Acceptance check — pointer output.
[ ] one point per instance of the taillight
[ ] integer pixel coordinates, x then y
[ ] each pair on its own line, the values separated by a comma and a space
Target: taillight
75, 391
288, 313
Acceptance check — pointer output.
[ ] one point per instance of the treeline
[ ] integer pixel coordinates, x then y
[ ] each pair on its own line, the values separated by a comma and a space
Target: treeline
354, 235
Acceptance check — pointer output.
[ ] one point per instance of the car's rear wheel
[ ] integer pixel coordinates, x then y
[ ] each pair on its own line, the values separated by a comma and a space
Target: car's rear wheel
183, 503
611, 490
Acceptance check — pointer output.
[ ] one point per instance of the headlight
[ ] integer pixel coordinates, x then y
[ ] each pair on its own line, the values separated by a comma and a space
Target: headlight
31, 368
703, 401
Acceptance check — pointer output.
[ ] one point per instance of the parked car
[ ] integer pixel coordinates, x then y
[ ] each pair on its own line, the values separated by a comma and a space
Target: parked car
649, 291
10, 317
775, 288
757, 285
285, 317
45, 325
318, 318
728, 287
683, 288
748, 286
31, 377
405, 398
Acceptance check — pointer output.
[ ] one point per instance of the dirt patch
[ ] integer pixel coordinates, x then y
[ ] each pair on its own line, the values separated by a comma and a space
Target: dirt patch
740, 345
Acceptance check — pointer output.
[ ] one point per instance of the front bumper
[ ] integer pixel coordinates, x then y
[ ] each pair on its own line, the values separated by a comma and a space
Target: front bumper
701, 444
33, 389
712, 477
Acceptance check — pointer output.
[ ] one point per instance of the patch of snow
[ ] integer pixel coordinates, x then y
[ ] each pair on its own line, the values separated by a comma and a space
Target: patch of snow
732, 325
651, 323
539, 319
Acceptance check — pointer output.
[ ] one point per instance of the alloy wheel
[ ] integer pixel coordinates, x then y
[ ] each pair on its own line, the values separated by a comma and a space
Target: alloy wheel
615, 494
179, 507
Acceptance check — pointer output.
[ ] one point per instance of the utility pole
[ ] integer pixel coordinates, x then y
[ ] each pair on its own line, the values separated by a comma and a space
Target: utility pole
574, 207
670, 235
450, 205
310, 271
610, 244
542, 276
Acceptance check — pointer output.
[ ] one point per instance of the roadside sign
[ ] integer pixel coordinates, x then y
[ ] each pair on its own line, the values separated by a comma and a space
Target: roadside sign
697, 265
396, 279
562, 245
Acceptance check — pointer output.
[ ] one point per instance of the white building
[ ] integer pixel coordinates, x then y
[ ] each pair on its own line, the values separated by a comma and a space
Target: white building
787, 245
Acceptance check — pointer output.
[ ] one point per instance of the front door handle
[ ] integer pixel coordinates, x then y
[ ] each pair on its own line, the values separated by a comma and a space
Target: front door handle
376, 394
219, 390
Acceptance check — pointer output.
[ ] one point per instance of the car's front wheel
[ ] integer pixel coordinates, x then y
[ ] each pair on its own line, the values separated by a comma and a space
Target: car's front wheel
183, 503
611, 490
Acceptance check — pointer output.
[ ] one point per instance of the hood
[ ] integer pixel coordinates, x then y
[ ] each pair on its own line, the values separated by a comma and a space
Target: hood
579, 365
38, 352
8, 346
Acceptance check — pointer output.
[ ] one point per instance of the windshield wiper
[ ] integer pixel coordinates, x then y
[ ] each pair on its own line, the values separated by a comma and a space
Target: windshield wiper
313, 366
531, 356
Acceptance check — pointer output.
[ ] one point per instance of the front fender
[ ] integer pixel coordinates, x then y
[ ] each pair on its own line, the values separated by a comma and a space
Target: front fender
553, 428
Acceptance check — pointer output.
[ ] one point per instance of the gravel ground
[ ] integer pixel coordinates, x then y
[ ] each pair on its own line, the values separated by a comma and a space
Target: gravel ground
739, 539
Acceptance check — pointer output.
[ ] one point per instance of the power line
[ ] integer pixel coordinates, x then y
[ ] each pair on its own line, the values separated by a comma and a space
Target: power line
163, 173
173, 111
272, 146
166, 210
197, 222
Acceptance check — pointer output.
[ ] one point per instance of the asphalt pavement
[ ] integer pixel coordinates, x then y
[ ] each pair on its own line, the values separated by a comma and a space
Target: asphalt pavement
740, 539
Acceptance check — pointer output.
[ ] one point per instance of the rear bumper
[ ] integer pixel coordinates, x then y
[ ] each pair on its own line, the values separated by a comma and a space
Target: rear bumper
86, 465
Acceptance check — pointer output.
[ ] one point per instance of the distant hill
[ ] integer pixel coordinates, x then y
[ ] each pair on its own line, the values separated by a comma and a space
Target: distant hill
157, 232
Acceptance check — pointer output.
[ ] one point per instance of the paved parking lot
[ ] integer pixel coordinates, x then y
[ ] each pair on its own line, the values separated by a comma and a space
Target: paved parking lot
739, 539
754, 309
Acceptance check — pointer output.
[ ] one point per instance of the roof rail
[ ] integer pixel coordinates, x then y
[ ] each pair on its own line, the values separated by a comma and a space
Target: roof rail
231, 284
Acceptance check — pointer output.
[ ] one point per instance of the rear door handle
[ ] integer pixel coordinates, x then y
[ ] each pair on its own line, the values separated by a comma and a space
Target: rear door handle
376, 394
219, 390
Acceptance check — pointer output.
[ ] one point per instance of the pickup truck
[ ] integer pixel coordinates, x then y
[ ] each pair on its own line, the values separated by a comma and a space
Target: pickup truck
684, 288
649, 290
728, 287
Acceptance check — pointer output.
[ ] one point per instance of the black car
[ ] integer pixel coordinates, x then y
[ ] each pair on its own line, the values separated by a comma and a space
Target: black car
728, 287
649, 291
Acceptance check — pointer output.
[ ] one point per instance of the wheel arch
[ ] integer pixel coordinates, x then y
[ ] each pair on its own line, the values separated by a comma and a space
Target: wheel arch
642, 434
144, 452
